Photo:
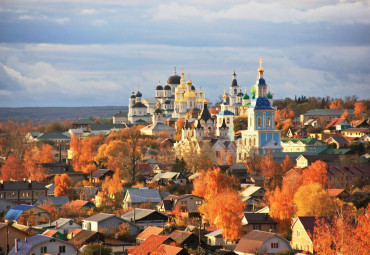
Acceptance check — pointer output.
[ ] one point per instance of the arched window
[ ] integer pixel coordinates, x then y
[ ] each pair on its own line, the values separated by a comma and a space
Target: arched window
227, 120
259, 122
268, 122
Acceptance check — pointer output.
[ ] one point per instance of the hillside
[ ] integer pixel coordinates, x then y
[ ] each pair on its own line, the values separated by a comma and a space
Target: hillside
58, 113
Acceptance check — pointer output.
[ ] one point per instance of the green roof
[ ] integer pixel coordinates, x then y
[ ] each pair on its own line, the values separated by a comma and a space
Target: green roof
269, 96
247, 105
245, 97
52, 136
120, 114
308, 140
84, 121
335, 151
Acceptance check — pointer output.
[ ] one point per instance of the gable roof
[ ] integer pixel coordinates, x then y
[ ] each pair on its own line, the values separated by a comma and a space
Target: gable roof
53, 136
150, 230
56, 201
348, 171
259, 218
334, 192
252, 241
180, 236
15, 212
249, 191
80, 236
330, 112
102, 217
339, 139
215, 233
101, 172
141, 214
78, 204
143, 195
334, 122
21, 185
165, 249
150, 244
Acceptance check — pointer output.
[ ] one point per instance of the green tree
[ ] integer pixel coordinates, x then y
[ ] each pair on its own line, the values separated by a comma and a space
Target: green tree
96, 249
179, 165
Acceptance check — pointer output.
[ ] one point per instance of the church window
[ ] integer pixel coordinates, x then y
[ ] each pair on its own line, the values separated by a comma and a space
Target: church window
227, 120
268, 122
235, 91
254, 141
259, 122
250, 142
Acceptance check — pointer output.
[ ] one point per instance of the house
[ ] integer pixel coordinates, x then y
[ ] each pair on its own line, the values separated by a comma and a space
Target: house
303, 145
120, 118
296, 133
41, 244
28, 191
262, 242
12, 234
345, 176
137, 196
332, 126
187, 203
185, 239
81, 237
338, 193
215, 238
58, 201
169, 177
100, 175
27, 215
150, 230
302, 231
252, 195
150, 244
355, 132
145, 217
364, 123
239, 171
55, 137
221, 148
86, 192
107, 221
32, 136
63, 225
364, 139
55, 234
80, 204
324, 116
105, 128
338, 141
258, 221
311, 123
5, 206
165, 249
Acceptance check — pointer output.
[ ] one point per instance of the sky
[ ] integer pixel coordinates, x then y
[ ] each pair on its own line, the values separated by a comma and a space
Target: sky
94, 53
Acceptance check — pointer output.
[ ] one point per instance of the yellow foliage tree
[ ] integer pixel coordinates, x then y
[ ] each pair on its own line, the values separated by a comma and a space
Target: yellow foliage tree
312, 200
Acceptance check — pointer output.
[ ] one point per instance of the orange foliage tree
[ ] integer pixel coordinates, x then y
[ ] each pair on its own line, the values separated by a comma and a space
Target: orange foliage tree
337, 104
316, 173
50, 208
345, 115
112, 190
213, 182
360, 107
84, 152
272, 171
13, 168
179, 125
341, 234
62, 185
225, 211
34, 157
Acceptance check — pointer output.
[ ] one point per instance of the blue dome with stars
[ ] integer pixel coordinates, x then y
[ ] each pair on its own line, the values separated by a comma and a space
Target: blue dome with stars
261, 103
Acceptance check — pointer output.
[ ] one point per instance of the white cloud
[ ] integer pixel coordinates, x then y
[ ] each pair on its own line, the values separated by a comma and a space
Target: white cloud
344, 12
89, 11
60, 20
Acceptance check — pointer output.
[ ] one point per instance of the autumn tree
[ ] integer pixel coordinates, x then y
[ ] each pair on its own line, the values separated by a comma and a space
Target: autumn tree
345, 115
212, 182
50, 208
312, 200
84, 152
316, 173
34, 157
360, 107
62, 185
13, 168
230, 158
225, 211
337, 104
112, 190
340, 234
180, 123
272, 171
286, 165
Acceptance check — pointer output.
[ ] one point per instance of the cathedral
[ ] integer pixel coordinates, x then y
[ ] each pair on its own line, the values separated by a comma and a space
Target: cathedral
176, 98
261, 134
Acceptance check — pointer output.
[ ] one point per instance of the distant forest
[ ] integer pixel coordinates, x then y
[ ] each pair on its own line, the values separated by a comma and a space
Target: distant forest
47, 114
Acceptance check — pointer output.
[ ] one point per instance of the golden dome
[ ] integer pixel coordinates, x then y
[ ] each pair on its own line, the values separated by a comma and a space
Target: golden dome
183, 100
189, 82
190, 94
261, 68
182, 80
